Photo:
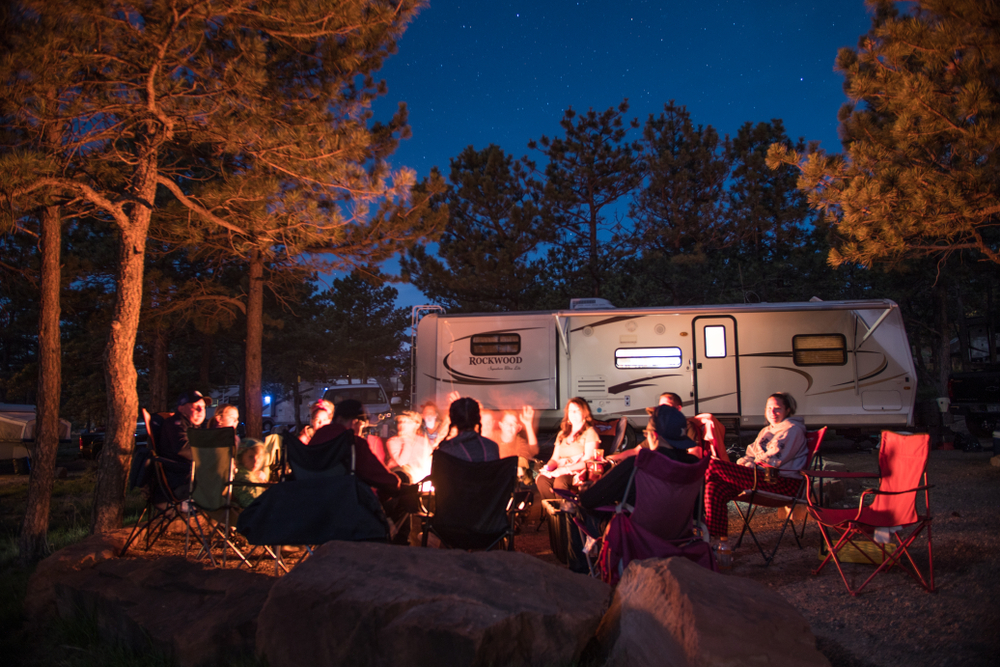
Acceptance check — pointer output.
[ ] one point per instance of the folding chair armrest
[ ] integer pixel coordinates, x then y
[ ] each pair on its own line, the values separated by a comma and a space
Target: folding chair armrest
834, 474
567, 495
899, 493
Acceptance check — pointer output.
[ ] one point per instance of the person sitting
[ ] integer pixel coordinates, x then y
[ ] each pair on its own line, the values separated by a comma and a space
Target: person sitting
781, 444
173, 445
488, 424
665, 434
408, 450
227, 416
576, 444
468, 443
320, 414
252, 473
512, 443
332, 444
703, 428
431, 426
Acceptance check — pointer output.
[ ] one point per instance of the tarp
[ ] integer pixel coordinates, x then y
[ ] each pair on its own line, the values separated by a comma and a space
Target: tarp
17, 423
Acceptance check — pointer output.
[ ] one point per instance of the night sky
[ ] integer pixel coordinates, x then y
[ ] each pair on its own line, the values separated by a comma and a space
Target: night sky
476, 73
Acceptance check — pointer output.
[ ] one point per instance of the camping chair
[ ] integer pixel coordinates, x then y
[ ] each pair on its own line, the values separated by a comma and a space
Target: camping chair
713, 436
148, 470
474, 503
756, 498
662, 522
612, 433
864, 533
326, 501
210, 510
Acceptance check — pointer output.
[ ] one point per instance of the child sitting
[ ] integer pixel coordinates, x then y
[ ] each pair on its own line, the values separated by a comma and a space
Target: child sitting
251, 472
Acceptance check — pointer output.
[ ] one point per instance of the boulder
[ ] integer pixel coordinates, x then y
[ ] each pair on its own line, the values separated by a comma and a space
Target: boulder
39, 602
376, 604
198, 614
673, 612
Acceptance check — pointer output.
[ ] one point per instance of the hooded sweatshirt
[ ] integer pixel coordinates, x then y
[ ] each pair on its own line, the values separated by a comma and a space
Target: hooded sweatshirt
781, 445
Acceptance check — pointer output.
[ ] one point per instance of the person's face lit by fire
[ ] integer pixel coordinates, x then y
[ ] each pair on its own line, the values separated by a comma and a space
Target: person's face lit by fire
488, 422
575, 415
229, 418
509, 427
194, 412
430, 416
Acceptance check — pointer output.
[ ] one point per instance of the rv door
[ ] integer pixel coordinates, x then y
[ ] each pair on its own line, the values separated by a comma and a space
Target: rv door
716, 373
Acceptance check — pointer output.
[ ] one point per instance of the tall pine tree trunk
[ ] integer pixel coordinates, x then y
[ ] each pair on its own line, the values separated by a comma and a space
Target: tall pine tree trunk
119, 369
255, 324
33, 542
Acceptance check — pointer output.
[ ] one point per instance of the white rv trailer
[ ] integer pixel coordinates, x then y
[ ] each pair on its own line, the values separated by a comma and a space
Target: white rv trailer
847, 363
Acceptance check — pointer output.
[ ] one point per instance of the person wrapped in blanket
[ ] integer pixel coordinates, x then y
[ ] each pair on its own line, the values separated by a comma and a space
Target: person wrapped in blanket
781, 444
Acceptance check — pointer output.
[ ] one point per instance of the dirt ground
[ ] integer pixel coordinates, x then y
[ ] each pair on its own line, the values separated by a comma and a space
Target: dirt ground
894, 621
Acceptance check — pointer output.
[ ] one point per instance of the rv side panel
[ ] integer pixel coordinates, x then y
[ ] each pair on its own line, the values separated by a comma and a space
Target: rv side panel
504, 360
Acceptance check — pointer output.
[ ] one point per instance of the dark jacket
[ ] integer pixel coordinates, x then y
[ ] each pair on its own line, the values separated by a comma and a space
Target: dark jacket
331, 447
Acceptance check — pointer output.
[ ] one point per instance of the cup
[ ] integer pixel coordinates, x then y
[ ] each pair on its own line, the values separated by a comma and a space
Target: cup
770, 475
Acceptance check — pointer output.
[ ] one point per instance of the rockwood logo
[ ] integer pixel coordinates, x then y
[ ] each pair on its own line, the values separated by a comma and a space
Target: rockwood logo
478, 361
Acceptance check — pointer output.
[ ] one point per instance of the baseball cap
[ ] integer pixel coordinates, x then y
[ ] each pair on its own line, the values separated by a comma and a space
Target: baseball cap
193, 396
671, 425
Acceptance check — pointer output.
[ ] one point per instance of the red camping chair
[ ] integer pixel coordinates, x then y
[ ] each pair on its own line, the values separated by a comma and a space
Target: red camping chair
902, 462
755, 498
661, 524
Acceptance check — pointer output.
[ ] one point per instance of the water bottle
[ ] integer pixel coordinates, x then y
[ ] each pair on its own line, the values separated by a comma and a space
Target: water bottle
723, 555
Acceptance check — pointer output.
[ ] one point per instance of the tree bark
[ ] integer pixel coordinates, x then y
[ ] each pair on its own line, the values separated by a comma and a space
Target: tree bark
255, 324
33, 541
120, 374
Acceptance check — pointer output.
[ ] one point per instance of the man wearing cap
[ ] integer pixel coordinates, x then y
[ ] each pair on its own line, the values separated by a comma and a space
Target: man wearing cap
666, 434
173, 443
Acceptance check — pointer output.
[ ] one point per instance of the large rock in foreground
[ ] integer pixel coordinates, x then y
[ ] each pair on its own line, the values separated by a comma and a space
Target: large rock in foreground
376, 604
673, 612
198, 614
40, 601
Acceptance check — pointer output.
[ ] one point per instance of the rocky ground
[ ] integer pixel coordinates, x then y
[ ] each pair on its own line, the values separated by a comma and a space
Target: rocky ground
894, 621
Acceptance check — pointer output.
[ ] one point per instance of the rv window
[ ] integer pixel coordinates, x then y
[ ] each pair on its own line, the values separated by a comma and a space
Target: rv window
504, 343
715, 342
648, 357
819, 350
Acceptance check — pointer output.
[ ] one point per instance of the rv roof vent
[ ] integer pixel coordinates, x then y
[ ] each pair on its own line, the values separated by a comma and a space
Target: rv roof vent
590, 304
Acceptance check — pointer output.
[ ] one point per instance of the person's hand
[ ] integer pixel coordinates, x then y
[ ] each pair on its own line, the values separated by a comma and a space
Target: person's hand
528, 416
453, 396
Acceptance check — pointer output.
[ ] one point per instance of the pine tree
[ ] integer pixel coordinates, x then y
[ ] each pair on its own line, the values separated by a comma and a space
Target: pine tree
920, 175
486, 258
680, 211
281, 87
587, 171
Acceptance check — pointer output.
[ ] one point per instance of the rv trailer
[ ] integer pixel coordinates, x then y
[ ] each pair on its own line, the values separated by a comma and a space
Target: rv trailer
847, 363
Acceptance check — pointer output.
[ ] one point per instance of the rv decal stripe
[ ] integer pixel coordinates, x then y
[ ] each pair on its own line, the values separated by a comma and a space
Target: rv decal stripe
860, 384
636, 384
878, 371
787, 355
808, 377
610, 320
484, 381
703, 399
478, 379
